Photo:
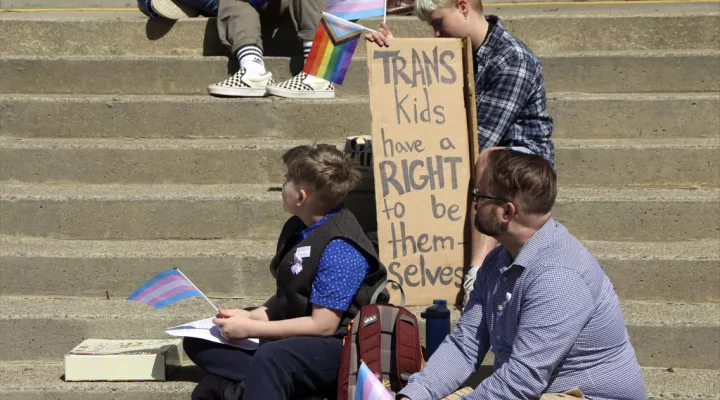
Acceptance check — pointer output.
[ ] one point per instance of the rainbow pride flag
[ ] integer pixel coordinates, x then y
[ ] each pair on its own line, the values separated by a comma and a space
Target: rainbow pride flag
165, 288
369, 387
332, 50
356, 9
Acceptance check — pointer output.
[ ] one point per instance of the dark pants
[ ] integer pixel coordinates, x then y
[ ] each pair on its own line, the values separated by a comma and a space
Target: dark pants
294, 368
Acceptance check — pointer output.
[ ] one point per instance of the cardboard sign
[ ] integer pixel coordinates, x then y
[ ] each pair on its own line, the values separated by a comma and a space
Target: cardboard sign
422, 161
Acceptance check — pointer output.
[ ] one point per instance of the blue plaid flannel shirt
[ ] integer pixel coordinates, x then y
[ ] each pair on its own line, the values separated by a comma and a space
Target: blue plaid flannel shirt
510, 95
553, 321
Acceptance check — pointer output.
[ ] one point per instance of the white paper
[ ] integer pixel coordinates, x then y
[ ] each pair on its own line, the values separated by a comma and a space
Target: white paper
206, 330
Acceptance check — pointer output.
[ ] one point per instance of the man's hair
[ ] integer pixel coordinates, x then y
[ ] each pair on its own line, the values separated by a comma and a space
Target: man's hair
424, 7
529, 181
324, 169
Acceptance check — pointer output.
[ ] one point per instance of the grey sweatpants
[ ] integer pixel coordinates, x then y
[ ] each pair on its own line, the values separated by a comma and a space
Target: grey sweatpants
239, 22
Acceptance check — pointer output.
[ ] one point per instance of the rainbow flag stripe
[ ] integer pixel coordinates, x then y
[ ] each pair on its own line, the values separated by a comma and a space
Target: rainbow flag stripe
164, 289
369, 386
356, 9
332, 50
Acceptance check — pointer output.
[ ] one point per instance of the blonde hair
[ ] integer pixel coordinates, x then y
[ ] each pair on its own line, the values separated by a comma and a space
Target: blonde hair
424, 7
324, 169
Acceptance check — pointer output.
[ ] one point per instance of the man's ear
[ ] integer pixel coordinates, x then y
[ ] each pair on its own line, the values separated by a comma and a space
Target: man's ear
509, 212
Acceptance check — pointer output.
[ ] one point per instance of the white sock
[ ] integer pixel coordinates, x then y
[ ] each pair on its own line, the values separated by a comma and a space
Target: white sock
306, 49
251, 58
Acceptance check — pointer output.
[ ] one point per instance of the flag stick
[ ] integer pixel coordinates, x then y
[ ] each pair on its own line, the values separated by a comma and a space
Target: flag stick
199, 291
349, 23
385, 12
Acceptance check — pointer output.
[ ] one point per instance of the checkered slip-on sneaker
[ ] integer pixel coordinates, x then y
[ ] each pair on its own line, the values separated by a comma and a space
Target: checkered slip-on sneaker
303, 86
242, 85
173, 9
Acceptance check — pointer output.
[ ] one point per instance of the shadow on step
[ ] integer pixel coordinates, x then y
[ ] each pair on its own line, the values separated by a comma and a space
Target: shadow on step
187, 373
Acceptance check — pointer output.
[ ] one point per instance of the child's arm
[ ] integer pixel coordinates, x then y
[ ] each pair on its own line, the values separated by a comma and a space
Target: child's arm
323, 322
381, 37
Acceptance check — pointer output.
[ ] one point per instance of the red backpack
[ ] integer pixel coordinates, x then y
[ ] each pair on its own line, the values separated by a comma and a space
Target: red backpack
387, 339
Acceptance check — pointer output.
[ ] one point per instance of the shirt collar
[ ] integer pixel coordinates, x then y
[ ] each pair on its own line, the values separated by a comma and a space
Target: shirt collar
535, 244
483, 53
307, 231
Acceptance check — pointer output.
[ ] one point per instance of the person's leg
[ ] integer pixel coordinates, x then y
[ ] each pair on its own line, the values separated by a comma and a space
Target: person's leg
306, 16
294, 368
239, 30
214, 358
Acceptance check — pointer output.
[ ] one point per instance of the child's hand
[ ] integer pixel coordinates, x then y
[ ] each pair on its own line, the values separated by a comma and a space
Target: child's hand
222, 313
381, 37
234, 328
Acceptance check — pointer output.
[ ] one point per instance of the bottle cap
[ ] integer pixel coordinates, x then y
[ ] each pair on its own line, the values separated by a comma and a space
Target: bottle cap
440, 302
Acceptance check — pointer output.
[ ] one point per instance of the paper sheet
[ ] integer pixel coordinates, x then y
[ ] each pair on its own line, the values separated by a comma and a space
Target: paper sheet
206, 330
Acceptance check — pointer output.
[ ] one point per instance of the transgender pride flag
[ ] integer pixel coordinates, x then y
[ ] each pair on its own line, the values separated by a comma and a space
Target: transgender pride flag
369, 387
165, 288
356, 9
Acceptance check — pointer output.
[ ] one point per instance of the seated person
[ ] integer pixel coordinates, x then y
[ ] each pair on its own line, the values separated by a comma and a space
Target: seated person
541, 302
509, 90
239, 29
325, 270
178, 9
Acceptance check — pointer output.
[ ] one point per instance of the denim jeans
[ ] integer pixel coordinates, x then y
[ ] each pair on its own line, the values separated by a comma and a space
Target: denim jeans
208, 8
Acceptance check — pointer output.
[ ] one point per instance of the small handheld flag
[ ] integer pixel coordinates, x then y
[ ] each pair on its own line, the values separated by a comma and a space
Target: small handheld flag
369, 387
356, 9
166, 288
333, 47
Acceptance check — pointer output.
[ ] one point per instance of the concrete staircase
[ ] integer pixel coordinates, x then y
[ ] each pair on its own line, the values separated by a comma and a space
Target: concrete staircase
114, 165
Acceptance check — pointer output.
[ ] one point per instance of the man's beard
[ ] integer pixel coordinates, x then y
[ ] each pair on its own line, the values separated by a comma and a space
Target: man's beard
489, 226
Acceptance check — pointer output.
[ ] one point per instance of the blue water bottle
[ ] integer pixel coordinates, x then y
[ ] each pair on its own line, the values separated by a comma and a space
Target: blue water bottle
437, 324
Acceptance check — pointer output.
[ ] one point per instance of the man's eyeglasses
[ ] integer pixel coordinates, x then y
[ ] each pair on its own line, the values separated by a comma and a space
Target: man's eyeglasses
476, 195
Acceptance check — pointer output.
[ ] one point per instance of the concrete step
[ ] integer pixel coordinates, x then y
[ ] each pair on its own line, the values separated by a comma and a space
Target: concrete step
601, 72
543, 29
577, 116
585, 162
678, 335
41, 381
643, 271
255, 211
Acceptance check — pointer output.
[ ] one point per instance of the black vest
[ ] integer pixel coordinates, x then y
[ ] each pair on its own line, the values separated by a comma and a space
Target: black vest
293, 291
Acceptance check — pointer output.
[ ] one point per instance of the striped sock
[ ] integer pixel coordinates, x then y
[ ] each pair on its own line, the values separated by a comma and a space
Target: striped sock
251, 58
306, 49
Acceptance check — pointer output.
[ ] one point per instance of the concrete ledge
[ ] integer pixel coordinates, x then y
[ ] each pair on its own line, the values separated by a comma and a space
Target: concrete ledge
577, 116
255, 211
663, 334
593, 72
544, 29
32, 267
41, 381
608, 163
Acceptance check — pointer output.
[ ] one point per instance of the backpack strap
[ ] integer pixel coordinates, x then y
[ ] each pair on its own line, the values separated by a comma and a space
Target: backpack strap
369, 338
408, 355
381, 287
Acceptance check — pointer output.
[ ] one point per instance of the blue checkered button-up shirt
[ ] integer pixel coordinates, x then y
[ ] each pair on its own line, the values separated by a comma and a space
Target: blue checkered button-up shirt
510, 95
552, 319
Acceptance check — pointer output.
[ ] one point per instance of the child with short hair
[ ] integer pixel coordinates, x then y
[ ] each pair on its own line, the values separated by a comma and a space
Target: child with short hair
325, 270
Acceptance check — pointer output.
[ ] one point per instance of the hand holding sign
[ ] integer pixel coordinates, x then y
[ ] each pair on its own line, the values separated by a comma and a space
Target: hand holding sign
381, 37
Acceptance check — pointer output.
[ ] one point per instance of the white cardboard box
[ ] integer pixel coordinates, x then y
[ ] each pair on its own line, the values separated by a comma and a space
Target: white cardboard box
123, 360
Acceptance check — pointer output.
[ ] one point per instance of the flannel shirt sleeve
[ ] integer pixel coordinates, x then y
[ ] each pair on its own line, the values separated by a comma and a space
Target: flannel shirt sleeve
557, 305
458, 356
503, 97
